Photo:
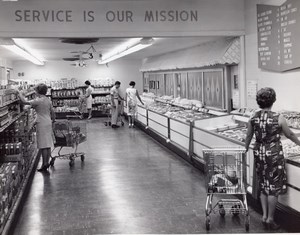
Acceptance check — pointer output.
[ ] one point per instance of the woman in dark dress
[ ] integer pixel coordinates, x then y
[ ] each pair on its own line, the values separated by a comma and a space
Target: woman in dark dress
268, 153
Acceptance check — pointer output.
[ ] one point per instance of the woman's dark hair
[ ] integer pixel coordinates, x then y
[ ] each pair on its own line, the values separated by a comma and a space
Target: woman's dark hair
41, 89
87, 82
117, 83
265, 97
132, 83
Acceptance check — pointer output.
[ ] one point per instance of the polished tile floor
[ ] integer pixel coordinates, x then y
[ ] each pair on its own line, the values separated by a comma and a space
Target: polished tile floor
127, 184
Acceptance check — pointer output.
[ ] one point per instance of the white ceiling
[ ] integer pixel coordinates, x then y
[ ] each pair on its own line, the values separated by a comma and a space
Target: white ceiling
52, 49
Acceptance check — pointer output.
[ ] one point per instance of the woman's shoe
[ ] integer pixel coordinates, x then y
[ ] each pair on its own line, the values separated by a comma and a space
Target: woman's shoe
273, 226
264, 223
42, 169
89, 117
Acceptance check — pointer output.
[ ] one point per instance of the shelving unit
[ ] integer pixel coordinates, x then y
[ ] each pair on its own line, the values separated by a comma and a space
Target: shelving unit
16, 165
12, 121
96, 113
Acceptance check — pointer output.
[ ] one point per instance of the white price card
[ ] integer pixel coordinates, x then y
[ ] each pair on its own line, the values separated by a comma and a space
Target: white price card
252, 87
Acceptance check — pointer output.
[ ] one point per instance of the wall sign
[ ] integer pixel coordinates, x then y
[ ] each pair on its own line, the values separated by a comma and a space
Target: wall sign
121, 18
252, 88
279, 36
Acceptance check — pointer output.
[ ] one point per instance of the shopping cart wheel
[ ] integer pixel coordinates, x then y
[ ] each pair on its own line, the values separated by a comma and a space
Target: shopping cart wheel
122, 123
82, 158
207, 223
105, 124
222, 210
72, 162
52, 161
109, 123
247, 222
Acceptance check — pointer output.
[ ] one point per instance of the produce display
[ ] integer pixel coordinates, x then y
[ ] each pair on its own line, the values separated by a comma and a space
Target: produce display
292, 118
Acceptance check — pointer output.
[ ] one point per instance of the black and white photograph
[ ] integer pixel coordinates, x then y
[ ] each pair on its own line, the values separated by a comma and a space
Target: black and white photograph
149, 117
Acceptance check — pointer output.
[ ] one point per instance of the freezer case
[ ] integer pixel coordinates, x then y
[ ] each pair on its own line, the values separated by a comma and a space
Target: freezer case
142, 115
209, 133
158, 123
291, 198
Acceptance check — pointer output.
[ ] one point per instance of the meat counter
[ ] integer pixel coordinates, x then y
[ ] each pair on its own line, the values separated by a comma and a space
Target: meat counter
172, 123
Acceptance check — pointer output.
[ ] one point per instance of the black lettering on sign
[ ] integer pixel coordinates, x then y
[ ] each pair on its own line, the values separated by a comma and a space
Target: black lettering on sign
91, 16
18, 16
45, 16
149, 16
88, 16
119, 16
171, 16
27, 15
58, 16
35, 16
163, 16
110, 16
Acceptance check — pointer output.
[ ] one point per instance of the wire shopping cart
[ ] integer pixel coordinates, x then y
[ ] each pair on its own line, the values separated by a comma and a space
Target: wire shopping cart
109, 112
78, 110
225, 174
69, 134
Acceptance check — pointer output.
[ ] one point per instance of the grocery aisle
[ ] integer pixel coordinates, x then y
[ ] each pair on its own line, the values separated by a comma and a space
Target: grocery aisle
128, 184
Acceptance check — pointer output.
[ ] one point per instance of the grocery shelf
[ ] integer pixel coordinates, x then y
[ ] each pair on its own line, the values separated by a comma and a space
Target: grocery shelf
12, 121
9, 102
20, 197
30, 93
65, 97
101, 103
100, 93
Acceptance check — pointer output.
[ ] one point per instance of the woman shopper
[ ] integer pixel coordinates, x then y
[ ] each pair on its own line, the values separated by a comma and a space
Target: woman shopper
89, 98
45, 117
268, 154
131, 102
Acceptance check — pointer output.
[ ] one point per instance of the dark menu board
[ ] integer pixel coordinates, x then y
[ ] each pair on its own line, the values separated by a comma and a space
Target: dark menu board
279, 36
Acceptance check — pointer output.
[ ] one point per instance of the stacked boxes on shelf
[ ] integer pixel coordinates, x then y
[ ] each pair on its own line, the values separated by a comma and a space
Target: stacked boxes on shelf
10, 181
17, 148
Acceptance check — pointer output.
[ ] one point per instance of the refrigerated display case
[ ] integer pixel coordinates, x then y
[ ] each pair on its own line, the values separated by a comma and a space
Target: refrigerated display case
172, 120
190, 134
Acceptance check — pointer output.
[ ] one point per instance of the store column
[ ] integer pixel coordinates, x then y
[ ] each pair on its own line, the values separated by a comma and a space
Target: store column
242, 72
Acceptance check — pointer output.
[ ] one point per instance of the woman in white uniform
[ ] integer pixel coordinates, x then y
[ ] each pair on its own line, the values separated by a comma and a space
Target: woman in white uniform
89, 98
131, 102
45, 116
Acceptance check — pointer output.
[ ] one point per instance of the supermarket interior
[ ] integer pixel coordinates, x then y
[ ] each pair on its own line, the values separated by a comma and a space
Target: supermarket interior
182, 167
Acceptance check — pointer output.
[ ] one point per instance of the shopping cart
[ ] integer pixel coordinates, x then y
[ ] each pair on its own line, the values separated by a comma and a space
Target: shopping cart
225, 174
109, 111
78, 110
69, 134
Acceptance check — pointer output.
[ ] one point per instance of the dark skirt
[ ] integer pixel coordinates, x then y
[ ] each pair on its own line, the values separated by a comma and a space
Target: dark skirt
270, 168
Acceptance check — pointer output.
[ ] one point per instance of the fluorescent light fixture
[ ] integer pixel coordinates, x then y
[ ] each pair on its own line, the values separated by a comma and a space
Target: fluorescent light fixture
133, 45
21, 52
23, 44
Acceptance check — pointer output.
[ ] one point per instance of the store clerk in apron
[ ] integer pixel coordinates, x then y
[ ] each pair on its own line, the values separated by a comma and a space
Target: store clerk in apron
89, 98
115, 104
